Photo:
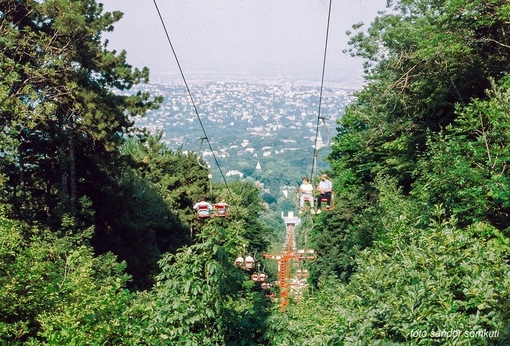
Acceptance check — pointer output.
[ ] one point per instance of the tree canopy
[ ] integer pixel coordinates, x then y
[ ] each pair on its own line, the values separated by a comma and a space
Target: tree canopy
61, 114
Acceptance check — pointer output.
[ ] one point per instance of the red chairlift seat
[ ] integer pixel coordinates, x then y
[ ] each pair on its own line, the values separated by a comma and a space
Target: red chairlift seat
306, 198
220, 210
324, 202
203, 212
247, 263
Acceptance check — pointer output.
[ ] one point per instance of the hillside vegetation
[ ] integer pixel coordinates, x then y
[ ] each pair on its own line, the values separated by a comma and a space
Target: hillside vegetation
99, 244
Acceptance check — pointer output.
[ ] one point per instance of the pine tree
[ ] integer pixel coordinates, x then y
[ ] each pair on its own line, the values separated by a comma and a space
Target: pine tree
62, 114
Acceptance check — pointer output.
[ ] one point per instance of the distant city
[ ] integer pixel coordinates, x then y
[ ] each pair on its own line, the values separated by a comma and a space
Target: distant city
248, 123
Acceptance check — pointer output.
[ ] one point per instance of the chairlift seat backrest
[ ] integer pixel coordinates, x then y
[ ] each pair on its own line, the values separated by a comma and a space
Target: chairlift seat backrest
249, 262
221, 210
239, 261
203, 211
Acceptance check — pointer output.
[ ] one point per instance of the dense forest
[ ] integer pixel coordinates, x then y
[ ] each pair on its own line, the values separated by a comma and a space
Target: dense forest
100, 245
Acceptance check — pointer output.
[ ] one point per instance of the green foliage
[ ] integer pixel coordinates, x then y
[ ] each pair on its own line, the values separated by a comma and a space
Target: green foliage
246, 231
315, 321
425, 63
177, 176
418, 238
440, 279
338, 241
53, 290
61, 120
136, 223
422, 58
466, 167
146, 207
421, 277
197, 300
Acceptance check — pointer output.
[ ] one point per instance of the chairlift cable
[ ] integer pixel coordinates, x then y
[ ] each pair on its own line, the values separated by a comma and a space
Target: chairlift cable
191, 97
319, 117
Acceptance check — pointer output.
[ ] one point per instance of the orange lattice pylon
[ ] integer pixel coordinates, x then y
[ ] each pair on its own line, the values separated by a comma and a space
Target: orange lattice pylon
288, 254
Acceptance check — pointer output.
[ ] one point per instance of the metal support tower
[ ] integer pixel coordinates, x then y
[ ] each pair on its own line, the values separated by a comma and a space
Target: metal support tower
287, 256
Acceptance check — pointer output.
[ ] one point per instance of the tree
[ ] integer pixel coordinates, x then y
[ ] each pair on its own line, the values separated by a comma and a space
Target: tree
244, 224
146, 210
177, 176
198, 299
420, 282
424, 283
138, 225
54, 290
465, 168
60, 113
421, 59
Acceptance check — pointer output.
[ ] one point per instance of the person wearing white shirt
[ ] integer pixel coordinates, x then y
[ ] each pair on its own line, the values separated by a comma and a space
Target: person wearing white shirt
306, 190
325, 188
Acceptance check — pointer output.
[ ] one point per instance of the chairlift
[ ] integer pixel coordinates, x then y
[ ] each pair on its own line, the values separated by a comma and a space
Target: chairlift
266, 285
308, 200
247, 262
203, 212
297, 287
324, 203
302, 274
308, 254
259, 277
239, 261
221, 209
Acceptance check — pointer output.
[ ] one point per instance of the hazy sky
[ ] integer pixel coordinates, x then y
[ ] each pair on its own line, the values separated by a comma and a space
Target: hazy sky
237, 37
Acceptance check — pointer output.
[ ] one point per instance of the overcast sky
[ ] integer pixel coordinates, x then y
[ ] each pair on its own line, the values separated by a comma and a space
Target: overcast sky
238, 37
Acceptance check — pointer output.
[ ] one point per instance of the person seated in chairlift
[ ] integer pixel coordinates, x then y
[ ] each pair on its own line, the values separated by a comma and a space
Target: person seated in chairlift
221, 208
203, 208
325, 188
306, 190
